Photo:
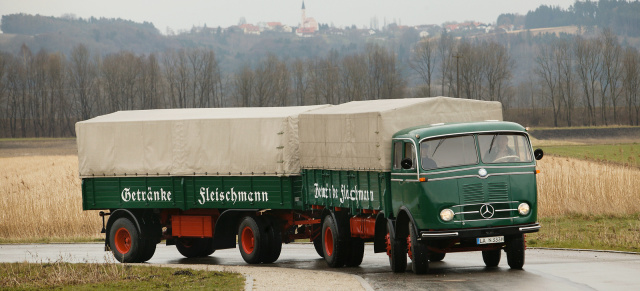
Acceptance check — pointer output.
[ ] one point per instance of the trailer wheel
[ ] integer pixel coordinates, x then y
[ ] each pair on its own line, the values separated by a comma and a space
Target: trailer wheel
436, 257
515, 252
195, 247
333, 248
356, 252
396, 250
274, 240
124, 241
148, 249
252, 240
491, 258
418, 252
317, 244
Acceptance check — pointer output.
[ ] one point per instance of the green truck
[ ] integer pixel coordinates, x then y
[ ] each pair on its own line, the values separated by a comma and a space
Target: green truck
417, 177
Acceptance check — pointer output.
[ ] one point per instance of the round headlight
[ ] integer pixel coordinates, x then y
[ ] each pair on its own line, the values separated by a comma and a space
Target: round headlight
523, 208
446, 214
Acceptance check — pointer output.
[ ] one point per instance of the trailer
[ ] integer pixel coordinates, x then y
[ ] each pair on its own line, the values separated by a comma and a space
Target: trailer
418, 178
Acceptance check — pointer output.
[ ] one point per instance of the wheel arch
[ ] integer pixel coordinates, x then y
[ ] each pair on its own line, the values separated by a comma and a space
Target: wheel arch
379, 243
226, 228
402, 222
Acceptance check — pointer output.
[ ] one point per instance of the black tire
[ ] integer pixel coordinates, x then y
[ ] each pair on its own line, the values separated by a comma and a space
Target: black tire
274, 240
436, 257
125, 242
396, 250
252, 240
515, 252
419, 251
195, 247
491, 258
317, 244
148, 250
356, 252
333, 247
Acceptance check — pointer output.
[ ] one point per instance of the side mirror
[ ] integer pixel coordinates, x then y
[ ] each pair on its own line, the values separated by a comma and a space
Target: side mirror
538, 154
406, 164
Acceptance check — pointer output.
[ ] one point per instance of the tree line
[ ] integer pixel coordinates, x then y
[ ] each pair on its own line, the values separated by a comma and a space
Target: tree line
575, 81
620, 15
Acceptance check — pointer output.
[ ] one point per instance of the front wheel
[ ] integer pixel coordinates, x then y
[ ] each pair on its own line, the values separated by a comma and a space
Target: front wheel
396, 250
418, 252
491, 258
515, 252
125, 242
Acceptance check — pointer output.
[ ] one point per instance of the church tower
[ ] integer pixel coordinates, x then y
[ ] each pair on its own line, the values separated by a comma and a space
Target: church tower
304, 15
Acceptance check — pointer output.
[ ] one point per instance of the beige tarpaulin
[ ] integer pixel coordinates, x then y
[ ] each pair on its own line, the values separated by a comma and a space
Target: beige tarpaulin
357, 135
210, 141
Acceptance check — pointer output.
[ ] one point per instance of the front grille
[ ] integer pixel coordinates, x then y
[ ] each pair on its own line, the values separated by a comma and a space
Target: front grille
498, 192
472, 212
473, 193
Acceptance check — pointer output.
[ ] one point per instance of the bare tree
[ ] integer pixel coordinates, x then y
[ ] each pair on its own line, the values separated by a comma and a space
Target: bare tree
423, 62
498, 68
611, 73
588, 68
631, 83
83, 75
300, 81
243, 85
566, 83
446, 47
353, 79
547, 71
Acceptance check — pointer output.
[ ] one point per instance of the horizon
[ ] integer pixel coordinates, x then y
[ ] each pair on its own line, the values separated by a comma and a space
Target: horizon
196, 13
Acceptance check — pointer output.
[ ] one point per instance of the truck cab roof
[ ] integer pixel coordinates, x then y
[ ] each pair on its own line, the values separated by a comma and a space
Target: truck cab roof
444, 129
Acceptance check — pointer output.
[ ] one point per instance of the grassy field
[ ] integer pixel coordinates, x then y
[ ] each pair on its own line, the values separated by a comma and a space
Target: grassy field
110, 276
582, 203
622, 154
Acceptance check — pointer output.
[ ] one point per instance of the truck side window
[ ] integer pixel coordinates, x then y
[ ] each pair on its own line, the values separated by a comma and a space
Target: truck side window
410, 153
397, 154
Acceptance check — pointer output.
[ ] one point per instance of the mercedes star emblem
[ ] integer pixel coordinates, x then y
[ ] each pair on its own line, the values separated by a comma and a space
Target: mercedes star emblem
487, 211
482, 172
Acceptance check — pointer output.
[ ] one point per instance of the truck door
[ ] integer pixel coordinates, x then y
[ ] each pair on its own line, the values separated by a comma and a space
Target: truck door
404, 175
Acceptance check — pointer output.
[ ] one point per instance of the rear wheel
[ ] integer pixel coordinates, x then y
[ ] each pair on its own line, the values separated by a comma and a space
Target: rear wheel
195, 247
317, 244
515, 252
491, 258
125, 242
396, 250
251, 240
356, 252
333, 247
418, 252
274, 240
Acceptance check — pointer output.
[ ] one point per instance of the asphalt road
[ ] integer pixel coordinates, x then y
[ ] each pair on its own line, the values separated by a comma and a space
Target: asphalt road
544, 269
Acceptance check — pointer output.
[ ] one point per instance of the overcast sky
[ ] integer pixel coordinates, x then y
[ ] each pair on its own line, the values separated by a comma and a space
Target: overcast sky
184, 14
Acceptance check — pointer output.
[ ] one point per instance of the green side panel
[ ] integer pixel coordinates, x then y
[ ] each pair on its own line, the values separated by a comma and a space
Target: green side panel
355, 190
192, 192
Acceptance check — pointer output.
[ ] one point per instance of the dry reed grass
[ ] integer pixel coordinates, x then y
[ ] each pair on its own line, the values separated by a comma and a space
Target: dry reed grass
569, 186
41, 196
42, 200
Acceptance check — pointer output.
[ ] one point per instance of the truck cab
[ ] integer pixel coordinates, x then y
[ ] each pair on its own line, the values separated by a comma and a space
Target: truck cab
465, 187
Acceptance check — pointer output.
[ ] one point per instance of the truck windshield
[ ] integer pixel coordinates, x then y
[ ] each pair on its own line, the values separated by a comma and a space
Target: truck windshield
448, 152
504, 148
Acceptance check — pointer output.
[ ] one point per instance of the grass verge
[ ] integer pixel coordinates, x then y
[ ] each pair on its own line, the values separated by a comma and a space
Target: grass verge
597, 232
111, 276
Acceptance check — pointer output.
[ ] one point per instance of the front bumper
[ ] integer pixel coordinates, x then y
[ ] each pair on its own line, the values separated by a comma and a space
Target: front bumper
479, 232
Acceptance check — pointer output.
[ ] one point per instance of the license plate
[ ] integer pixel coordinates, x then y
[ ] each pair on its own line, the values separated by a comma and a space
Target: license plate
490, 240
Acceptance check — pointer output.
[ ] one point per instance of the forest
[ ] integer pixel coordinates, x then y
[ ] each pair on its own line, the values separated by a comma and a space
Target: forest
553, 79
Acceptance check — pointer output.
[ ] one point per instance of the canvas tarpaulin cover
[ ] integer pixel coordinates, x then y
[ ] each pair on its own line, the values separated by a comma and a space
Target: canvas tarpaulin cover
357, 135
177, 142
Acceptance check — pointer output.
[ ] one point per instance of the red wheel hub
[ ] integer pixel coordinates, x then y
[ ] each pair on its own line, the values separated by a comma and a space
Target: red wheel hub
409, 248
248, 240
122, 240
328, 241
387, 240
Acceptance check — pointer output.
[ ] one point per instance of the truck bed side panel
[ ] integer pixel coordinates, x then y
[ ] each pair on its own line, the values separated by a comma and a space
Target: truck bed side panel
250, 192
